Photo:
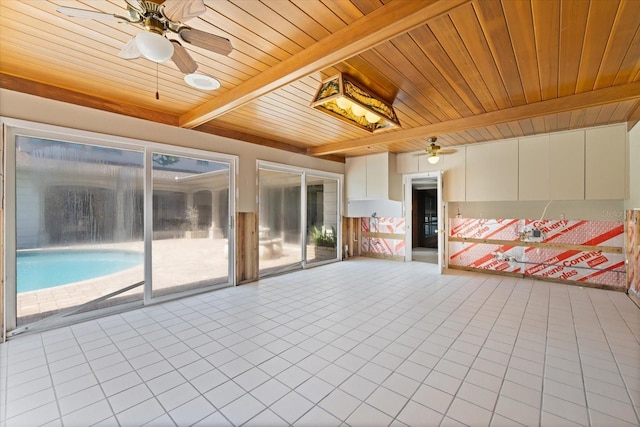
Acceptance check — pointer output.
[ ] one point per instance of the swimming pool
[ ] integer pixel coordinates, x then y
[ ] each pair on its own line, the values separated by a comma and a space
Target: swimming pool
47, 269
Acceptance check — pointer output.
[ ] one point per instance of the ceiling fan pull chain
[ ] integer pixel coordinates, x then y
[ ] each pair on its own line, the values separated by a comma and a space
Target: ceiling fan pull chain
157, 91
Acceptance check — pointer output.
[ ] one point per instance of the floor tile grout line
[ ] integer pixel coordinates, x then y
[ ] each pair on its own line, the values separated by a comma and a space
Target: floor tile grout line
4, 383
575, 332
575, 335
41, 346
370, 360
393, 371
506, 301
544, 365
626, 387
636, 334
239, 397
493, 412
475, 357
93, 372
187, 381
400, 319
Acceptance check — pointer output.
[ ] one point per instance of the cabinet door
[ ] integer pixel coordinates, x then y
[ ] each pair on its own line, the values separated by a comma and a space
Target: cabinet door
378, 176
533, 168
478, 173
407, 162
605, 158
504, 170
356, 177
454, 175
566, 166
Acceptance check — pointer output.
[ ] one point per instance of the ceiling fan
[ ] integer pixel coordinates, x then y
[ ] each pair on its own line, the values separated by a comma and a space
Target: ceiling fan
161, 18
435, 151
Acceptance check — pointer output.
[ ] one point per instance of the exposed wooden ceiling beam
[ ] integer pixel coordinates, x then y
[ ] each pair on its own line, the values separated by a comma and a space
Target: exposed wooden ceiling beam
583, 100
31, 87
395, 18
259, 140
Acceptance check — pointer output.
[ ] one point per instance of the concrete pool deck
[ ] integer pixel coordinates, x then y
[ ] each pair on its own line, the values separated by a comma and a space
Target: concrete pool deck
177, 264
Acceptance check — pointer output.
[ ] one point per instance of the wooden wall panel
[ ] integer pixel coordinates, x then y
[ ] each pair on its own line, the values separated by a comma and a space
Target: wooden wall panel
352, 235
246, 247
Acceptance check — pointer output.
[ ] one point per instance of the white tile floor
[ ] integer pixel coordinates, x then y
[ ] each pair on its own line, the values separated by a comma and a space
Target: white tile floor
358, 343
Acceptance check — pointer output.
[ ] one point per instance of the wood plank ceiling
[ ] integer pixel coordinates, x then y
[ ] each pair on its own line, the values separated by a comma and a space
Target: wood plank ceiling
464, 70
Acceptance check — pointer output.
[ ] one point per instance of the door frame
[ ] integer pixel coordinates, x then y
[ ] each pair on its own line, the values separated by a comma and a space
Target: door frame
407, 182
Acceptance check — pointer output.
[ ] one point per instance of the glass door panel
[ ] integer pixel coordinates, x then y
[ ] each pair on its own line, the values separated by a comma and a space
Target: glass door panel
79, 228
280, 218
322, 219
190, 223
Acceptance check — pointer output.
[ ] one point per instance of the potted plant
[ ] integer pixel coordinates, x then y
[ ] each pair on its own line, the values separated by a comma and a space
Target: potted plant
323, 243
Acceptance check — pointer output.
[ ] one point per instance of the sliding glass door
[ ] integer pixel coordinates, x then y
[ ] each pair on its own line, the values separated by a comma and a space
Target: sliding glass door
280, 219
105, 223
79, 227
322, 219
299, 217
190, 223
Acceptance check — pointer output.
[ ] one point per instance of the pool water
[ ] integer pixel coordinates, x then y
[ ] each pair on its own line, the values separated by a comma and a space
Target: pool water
47, 269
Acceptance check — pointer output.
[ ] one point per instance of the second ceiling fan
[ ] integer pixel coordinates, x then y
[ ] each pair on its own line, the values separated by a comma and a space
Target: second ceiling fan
434, 151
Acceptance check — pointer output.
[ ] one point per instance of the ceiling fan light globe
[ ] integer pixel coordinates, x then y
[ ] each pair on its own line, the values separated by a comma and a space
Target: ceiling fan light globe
154, 47
433, 159
358, 110
371, 118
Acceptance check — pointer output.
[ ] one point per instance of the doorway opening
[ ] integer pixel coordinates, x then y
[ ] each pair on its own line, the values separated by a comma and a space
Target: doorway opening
425, 217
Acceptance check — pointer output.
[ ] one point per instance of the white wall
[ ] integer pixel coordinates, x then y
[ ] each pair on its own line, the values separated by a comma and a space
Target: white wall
634, 168
28, 107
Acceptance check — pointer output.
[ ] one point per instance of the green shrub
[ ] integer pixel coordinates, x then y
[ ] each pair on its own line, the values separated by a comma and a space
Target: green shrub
323, 237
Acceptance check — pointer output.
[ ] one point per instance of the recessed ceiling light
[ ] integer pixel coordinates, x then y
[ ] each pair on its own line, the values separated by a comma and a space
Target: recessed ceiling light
201, 81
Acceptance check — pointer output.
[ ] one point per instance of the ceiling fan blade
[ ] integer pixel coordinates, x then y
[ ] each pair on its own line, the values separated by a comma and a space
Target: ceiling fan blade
135, 5
447, 151
182, 59
206, 40
130, 50
91, 14
183, 10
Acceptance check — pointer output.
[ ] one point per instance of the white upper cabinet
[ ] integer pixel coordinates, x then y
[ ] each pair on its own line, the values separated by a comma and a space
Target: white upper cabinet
378, 176
605, 162
356, 177
478, 173
566, 165
533, 168
505, 170
373, 177
492, 171
453, 181
572, 165
407, 162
